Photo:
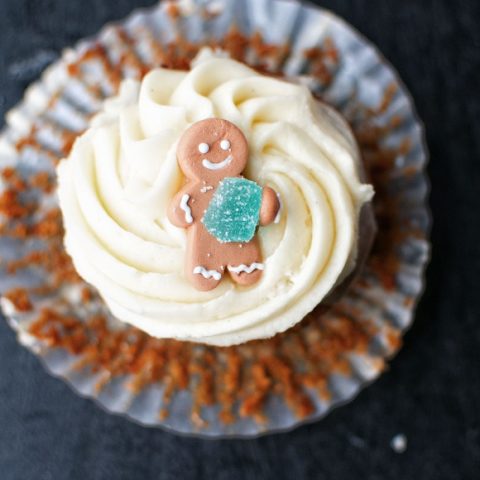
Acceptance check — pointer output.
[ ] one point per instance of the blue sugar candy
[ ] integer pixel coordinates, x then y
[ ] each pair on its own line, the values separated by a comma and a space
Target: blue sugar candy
234, 211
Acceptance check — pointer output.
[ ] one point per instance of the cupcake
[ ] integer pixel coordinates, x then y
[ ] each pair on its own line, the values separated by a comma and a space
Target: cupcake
215, 205
187, 216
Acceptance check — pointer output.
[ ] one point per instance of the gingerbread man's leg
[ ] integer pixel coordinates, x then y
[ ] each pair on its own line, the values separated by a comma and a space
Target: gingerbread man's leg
245, 262
203, 269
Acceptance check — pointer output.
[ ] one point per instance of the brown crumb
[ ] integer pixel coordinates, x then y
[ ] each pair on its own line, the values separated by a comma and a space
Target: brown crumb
20, 299
42, 181
12, 206
173, 10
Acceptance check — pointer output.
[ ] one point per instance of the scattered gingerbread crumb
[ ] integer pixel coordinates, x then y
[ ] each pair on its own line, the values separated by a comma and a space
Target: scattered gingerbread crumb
20, 299
12, 206
43, 181
173, 10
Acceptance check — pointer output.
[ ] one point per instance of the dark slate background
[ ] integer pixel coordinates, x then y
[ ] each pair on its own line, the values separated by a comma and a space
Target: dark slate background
431, 392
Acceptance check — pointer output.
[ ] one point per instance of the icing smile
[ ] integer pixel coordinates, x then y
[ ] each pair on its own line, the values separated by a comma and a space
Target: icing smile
217, 166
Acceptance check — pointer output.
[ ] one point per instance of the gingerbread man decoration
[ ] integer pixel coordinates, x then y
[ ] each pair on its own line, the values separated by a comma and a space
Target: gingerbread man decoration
219, 207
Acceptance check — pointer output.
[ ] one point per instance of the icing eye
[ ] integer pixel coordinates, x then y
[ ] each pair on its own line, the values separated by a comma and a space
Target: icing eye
203, 148
225, 145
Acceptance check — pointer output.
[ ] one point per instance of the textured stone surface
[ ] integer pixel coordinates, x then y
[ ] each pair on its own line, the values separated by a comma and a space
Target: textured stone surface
431, 392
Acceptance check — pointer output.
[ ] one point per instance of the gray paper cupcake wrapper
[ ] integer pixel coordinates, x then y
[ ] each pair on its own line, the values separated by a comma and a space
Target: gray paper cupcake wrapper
362, 77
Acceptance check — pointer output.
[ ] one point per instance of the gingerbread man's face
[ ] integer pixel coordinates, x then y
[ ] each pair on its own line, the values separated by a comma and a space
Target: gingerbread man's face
212, 149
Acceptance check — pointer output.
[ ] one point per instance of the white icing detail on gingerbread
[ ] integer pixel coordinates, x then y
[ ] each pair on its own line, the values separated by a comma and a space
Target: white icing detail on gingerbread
225, 145
207, 273
204, 148
217, 166
279, 213
246, 268
206, 188
184, 206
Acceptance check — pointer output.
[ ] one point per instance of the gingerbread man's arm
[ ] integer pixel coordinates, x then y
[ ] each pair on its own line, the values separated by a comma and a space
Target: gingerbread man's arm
180, 209
270, 206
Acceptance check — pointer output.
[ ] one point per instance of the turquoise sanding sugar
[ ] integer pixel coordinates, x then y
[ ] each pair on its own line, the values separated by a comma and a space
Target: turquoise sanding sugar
233, 212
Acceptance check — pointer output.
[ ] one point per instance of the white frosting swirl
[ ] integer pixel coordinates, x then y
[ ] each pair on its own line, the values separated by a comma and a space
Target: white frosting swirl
122, 173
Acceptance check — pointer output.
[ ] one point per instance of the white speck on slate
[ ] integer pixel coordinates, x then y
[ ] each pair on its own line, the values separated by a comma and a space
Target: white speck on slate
399, 443
357, 441
26, 67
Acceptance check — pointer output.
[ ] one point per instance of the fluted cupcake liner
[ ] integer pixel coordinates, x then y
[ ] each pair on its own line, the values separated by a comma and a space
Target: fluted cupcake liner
301, 374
